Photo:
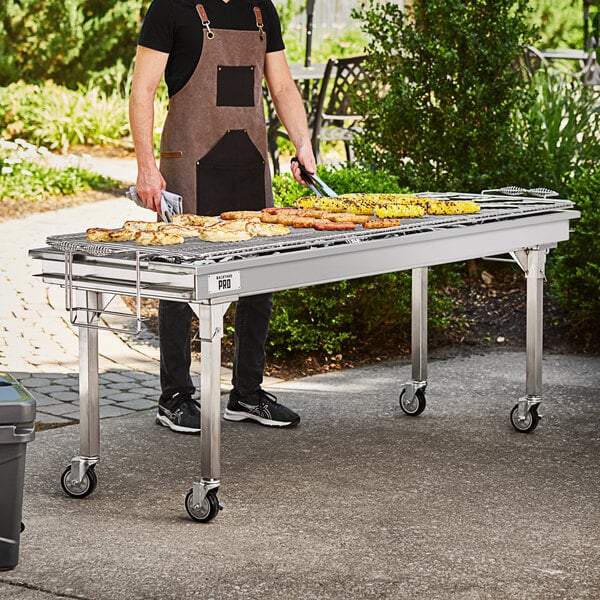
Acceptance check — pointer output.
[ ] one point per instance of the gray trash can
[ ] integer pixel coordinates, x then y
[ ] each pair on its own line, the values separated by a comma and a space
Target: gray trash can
17, 416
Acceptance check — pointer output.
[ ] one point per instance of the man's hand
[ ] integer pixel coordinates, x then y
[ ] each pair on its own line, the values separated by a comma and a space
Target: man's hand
306, 158
150, 183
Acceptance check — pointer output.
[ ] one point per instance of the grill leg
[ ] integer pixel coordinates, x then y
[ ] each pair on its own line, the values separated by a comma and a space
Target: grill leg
211, 332
412, 396
536, 261
524, 416
89, 408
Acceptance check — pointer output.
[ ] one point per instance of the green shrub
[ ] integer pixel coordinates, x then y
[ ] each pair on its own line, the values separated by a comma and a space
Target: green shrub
574, 266
27, 172
331, 318
447, 68
561, 129
559, 23
66, 40
341, 179
57, 117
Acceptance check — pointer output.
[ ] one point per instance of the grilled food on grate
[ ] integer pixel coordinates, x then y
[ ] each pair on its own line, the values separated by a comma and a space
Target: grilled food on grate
327, 225
185, 231
372, 211
267, 229
387, 206
382, 223
452, 207
241, 229
395, 211
194, 220
233, 215
214, 234
157, 238
99, 234
142, 225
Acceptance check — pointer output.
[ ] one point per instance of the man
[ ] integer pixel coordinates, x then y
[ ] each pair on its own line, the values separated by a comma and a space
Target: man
214, 55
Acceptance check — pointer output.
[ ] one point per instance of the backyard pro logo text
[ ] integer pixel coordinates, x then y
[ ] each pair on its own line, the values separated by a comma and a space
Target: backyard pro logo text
224, 282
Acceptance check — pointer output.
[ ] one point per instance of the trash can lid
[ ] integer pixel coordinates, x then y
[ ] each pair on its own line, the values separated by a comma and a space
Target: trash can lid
16, 403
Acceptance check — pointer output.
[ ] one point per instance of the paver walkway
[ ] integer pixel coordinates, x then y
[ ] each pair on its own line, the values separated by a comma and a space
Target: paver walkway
40, 347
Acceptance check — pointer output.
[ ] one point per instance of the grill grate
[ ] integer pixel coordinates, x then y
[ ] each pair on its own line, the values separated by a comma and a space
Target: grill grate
493, 208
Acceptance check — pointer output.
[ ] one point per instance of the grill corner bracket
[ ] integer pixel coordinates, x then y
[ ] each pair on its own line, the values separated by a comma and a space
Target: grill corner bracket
532, 261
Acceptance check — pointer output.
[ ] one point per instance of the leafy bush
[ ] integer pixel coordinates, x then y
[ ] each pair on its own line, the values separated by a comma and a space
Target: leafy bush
563, 129
343, 180
66, 40
447, 68
333, 317
574, 266
28, 172
57, 117
558, 23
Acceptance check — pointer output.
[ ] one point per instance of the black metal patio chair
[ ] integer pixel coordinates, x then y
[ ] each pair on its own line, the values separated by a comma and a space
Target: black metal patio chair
333, 115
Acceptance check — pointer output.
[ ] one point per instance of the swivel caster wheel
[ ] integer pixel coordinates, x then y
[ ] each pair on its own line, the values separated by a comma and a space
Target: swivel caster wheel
528, 424
415, 406
82, 489
205, 512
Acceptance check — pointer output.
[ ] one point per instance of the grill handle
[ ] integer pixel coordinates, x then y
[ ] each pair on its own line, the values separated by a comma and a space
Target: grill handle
93, 315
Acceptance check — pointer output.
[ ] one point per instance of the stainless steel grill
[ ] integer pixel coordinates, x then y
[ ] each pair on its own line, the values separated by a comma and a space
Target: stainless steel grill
209, 276
494, 208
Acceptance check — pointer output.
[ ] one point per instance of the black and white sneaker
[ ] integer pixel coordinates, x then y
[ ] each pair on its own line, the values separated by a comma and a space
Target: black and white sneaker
180, 413
261, 407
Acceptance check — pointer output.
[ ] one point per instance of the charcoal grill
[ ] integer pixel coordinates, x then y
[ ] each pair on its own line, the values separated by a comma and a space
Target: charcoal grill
210, 276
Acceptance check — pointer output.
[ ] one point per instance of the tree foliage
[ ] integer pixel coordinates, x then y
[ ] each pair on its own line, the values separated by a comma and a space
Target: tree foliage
66, 40
574, 267
447, 86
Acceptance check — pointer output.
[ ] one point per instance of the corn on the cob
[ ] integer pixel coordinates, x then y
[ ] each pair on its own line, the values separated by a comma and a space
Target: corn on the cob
389, 205
331, 204
306, 202
391, 211
452, 207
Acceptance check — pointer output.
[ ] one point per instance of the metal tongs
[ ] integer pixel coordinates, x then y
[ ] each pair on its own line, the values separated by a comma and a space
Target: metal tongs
312, 181
170, 203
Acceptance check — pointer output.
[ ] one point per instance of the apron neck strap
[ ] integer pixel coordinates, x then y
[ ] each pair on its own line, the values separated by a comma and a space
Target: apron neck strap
206, 21
259, 22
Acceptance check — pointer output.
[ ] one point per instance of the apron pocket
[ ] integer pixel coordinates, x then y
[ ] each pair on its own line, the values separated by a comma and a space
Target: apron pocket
174, 154
230, 176
235, 86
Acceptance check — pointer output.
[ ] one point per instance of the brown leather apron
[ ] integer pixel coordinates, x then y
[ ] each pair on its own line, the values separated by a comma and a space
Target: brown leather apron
214, 141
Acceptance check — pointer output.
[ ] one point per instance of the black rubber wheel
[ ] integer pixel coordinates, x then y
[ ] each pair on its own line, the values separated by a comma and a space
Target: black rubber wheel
416, 406
529, 424
85, 488
207, 511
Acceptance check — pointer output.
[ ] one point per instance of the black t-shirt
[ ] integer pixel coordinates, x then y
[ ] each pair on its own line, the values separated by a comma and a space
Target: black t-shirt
174, 26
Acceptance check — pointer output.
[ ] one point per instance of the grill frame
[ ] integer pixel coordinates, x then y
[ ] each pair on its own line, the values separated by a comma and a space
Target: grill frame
524, 227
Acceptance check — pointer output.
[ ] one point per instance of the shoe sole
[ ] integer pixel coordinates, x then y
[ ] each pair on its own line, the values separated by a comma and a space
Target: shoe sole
162, 420
235, 415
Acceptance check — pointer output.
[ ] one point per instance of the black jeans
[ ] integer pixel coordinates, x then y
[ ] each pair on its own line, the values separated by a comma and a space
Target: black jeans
252, 316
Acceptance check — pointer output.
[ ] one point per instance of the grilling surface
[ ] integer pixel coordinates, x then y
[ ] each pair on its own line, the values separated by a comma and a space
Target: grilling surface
493, 208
